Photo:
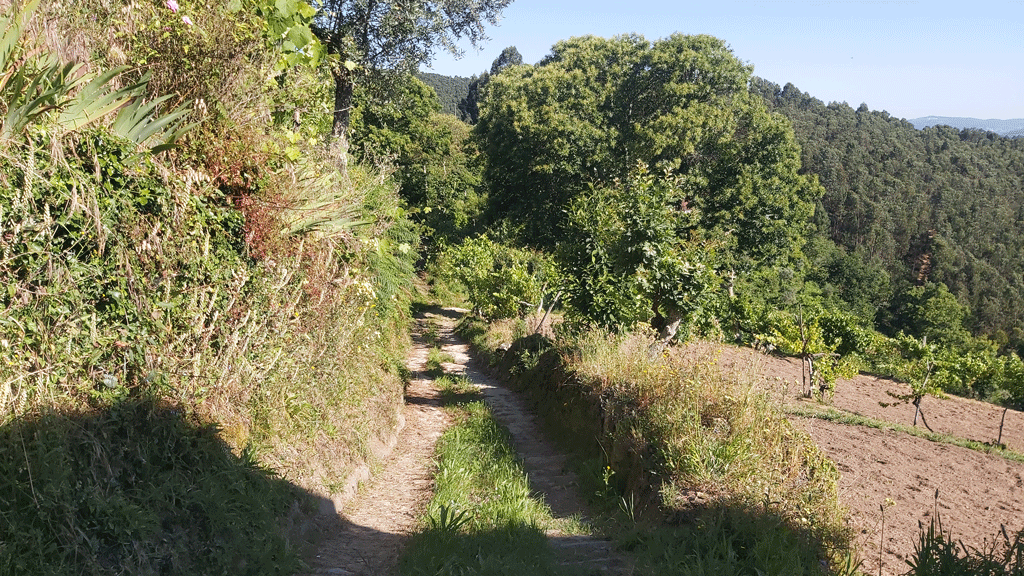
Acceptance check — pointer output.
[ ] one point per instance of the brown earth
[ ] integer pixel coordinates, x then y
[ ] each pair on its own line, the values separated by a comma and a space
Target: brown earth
367, 535
900, 473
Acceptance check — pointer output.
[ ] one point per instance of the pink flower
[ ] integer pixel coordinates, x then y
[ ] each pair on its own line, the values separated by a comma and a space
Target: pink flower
172, 5
186, 20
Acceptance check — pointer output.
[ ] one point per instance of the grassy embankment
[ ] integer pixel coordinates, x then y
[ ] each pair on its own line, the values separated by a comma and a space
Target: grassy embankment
708, 474
193, 342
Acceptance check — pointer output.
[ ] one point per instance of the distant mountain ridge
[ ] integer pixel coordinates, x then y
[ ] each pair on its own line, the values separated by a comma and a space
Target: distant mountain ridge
1012, 128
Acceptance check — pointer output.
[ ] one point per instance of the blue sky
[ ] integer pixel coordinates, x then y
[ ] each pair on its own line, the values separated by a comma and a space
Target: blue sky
910, 58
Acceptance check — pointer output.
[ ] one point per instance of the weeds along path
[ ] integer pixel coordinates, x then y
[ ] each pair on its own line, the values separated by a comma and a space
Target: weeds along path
368, 536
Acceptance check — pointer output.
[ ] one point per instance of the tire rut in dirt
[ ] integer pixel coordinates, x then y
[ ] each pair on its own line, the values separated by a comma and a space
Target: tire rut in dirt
373, 529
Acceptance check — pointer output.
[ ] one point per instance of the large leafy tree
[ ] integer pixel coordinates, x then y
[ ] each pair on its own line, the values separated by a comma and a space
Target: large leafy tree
375, 38
587, 113
637, 254
434, 157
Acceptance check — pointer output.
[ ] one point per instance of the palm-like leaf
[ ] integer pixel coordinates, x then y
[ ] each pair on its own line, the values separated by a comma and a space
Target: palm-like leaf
95, 100
33, 85
28, 89
137, 122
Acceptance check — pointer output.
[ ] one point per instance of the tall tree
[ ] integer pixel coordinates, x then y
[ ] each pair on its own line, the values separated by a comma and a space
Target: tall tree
469, 107
374, 38
509, 57
594, 108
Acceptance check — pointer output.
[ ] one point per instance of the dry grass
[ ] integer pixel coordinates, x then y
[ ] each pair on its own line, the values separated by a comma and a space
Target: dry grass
717, 439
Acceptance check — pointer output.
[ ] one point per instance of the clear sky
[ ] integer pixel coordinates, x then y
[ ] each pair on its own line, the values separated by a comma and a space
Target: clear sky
910, 58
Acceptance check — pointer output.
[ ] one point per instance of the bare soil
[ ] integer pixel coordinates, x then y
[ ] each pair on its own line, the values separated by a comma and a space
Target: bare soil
900, 473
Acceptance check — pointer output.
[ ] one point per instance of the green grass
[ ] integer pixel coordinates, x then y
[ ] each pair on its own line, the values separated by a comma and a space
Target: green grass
482, 519
724, 541
842, 417
937, 553
137, 489
436, 360
457, 390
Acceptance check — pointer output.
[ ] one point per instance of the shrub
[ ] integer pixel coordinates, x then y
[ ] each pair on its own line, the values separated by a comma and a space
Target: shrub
500, 281
711, 442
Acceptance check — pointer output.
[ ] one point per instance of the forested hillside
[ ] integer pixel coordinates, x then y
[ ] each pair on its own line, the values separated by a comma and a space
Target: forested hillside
1010, 128
932, 205
450, 89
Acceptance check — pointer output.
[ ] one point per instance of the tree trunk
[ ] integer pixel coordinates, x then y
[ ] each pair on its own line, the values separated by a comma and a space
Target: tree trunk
999, 441
668, 330
550, 308
343, 90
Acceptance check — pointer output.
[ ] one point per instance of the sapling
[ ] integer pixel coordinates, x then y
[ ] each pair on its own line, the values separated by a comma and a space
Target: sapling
916, 369
821, 365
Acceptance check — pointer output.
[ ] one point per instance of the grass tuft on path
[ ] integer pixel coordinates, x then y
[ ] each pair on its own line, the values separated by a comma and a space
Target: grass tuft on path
482, 519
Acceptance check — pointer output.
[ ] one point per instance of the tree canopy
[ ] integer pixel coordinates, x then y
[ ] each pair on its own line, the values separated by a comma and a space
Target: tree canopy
591, 110
636, 255
469, 106
935, 205
372, 37
434, 158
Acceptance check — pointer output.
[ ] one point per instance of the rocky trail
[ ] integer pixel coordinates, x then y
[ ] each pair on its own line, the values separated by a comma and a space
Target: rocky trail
368, 535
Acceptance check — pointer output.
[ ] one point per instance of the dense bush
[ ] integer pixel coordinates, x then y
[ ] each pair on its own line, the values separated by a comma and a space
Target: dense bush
500, 281
252, 298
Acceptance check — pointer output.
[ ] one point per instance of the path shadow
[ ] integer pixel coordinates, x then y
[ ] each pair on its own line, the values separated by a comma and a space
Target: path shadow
138, 487
452, 313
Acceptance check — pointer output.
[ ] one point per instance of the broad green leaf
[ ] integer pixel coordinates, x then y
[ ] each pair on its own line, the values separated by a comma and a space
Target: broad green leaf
300, 36
306, 11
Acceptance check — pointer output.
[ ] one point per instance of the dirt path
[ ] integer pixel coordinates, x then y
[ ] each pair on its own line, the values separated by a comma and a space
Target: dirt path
369, 535
546, 466
372, 530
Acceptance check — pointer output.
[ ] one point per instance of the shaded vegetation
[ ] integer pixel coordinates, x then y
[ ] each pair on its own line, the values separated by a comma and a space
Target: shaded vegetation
138, 488
178, 321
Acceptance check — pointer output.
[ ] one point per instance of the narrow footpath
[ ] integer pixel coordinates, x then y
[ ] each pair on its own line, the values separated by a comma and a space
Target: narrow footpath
546, 466
376, 525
